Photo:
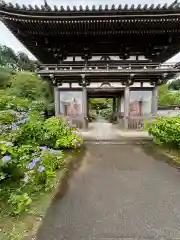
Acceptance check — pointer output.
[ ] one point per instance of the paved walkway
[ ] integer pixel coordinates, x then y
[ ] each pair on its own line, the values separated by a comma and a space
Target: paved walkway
102, 130
119, 192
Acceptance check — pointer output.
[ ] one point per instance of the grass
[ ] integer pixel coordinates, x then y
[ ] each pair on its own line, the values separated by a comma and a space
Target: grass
167, 154
26, 225
173, 154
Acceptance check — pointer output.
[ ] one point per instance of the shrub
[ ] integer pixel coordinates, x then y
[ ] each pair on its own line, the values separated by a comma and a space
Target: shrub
28, 159
58, 134
166, 131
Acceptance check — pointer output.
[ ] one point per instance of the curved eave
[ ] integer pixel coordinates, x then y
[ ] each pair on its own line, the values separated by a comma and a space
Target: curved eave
57, 12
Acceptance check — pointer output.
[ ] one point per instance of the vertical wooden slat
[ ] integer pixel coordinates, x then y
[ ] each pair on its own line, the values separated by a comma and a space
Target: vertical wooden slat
84, 105
126, 106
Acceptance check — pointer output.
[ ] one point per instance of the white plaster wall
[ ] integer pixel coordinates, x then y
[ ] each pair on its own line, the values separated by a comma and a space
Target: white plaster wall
169, 113
146, 84
98, 85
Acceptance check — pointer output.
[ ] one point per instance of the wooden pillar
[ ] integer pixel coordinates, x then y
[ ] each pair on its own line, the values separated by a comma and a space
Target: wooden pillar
114, 106
154, 103
126, 106
57, 101
118, 108
85, 107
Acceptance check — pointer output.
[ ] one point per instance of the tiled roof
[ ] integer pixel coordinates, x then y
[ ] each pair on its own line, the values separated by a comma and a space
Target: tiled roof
9, 7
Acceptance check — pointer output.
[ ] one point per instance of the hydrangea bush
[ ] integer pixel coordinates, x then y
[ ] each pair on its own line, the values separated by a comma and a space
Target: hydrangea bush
30, 150
166, 131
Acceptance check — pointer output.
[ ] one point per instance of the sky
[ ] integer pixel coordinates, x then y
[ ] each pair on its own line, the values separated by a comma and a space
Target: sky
7, 38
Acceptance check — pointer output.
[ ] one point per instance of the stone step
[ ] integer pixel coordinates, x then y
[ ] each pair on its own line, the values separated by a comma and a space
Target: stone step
122, 141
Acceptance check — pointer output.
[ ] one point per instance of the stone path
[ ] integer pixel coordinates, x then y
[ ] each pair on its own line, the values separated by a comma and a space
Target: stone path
119, 192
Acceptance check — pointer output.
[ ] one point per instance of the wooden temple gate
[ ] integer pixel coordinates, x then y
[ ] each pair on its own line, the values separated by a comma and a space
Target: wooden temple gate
81, 49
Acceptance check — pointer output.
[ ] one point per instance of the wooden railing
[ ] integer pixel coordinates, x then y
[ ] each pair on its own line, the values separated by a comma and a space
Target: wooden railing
107, 66
138, 123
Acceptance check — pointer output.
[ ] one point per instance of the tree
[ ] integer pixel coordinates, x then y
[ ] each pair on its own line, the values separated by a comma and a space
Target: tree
8, 57
175, 85
24, 63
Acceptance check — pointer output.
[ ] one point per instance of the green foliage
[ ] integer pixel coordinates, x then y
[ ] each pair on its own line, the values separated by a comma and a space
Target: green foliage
166, 97
19, 202
101, 106
28, 85
166, 131
58, 134
100, 103
175, 85
5, 76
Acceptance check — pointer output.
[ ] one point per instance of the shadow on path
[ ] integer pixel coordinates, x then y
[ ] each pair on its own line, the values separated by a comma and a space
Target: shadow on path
119, 192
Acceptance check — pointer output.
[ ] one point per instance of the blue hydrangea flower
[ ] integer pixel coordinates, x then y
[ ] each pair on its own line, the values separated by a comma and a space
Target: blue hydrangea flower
41, 168
6, 159
32, 164
36, 160
23, 121
43, 148
14, 127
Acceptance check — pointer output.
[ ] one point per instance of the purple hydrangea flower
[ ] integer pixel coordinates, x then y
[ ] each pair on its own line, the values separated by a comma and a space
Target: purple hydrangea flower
41, 168
6, 159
